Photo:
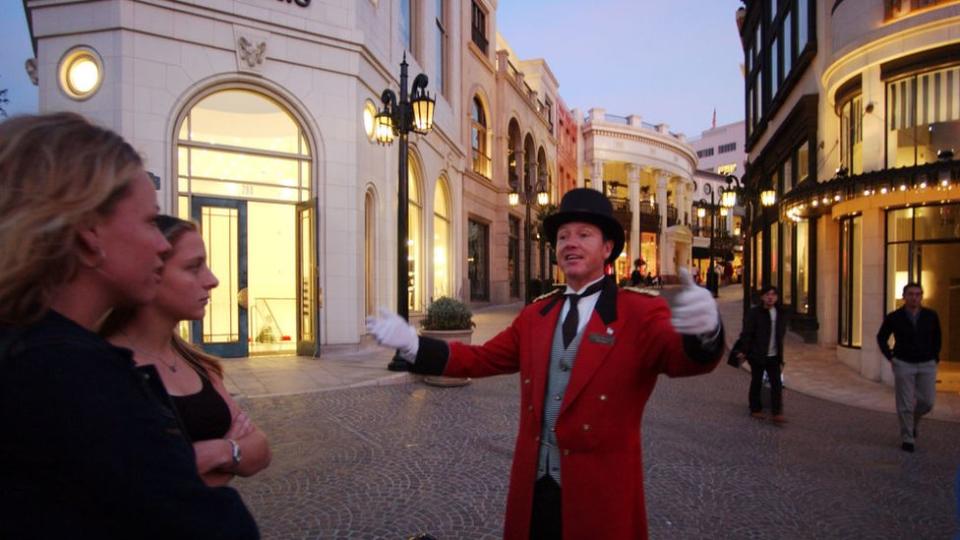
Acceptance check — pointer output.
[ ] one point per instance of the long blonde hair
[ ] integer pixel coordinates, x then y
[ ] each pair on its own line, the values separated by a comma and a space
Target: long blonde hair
57, 172
172, 228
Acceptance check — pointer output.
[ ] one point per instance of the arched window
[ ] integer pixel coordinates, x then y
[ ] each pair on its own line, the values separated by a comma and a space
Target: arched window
243, 164
441, 241
369, 253
478, 139
414, 233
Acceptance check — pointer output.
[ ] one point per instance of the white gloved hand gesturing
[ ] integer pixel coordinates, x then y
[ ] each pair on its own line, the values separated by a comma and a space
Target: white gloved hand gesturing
392, 331
694, 311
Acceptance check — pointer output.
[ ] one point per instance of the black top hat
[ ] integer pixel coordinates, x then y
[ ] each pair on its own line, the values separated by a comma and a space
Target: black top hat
588, 206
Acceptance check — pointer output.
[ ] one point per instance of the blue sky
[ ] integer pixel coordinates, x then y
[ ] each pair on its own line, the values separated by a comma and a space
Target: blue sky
671, 62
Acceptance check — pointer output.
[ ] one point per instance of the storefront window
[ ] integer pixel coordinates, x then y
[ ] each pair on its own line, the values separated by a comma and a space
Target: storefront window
851, 135
787, 293
923, 116
851, 270
803, 162
774, 252
478, 260
414, 259
441, 241
758, 262
923, 245
803, 267
513, 257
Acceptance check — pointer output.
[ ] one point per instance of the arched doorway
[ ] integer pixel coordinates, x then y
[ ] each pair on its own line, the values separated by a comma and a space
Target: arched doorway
244, 168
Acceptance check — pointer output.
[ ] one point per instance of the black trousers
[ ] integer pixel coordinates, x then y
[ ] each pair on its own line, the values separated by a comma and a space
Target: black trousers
545, 519
771, 366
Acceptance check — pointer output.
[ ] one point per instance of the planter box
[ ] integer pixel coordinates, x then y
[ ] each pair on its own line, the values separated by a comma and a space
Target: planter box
462, 336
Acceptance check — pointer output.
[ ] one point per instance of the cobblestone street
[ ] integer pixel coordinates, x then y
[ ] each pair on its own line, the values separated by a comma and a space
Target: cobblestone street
392, 461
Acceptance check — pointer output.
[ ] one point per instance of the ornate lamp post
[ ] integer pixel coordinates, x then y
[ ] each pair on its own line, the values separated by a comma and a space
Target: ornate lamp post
767, 197
397, 119
542, 199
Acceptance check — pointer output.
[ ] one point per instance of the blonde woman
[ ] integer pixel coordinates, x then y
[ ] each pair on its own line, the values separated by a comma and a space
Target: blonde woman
90, 447
225, 441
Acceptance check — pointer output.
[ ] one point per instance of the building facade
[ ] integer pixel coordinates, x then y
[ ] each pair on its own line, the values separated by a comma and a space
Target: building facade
853, 116
257, 119
720, 153
647, 171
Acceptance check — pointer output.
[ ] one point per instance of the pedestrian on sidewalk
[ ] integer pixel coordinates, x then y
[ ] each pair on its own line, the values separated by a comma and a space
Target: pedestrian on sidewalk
588, 361
761, 344
914, 358
90, 446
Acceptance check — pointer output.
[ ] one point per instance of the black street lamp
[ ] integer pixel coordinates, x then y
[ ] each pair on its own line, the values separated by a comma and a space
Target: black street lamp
542, 199
766, 197
712, 282
398, 118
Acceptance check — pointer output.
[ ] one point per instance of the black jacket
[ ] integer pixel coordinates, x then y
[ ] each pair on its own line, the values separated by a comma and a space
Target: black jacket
911, 344
90, 448
754, 340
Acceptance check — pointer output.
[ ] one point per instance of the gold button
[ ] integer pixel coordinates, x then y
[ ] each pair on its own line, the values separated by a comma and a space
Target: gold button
553, 430
566, 452
526, 381
603, 397
529, 407
586, 427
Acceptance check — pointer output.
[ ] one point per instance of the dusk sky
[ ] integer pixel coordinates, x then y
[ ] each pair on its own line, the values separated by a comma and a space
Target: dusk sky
670, 62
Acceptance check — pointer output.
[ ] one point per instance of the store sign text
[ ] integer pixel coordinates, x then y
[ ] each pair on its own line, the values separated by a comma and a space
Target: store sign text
301, 3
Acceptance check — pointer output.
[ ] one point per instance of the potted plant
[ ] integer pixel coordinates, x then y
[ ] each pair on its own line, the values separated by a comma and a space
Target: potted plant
447, 319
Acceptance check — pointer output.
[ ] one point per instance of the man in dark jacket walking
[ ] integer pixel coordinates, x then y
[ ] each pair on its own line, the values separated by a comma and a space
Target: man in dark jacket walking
761, 343
916, 351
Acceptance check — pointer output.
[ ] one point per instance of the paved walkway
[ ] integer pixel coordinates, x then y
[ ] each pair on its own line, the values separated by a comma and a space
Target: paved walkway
810, 369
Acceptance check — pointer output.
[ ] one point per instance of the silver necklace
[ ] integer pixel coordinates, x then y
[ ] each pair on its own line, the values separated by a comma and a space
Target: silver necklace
172, 367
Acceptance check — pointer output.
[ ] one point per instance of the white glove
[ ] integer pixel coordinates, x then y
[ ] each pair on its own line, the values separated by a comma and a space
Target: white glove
392, 331
694, 310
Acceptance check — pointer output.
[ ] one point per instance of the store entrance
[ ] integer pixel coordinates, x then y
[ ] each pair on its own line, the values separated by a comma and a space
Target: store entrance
939, 265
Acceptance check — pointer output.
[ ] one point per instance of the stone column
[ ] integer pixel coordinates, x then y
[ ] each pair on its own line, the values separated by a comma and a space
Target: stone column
578, 119
596, 174
633, 180
662, 178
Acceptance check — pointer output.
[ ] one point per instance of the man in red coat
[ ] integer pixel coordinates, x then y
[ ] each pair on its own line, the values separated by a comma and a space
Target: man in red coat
577, 467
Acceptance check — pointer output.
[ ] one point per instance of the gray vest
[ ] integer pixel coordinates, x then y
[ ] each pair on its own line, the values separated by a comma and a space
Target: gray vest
558, 375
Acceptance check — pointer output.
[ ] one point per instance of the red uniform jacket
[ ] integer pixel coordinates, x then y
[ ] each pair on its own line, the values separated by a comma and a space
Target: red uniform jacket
627, 343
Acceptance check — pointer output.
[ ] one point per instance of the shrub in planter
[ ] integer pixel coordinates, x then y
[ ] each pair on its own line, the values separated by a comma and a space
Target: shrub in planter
450, 320
447, 313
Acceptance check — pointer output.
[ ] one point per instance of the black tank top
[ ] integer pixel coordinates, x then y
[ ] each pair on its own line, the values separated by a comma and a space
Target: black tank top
205, 415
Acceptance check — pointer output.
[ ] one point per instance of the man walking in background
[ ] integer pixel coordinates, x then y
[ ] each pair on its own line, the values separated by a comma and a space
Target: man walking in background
761, 343
916, 351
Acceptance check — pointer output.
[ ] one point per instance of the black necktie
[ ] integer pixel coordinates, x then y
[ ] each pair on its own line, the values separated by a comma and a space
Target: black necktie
572, 319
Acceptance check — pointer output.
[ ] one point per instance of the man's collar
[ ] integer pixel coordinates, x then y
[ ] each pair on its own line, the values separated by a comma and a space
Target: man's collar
571, 291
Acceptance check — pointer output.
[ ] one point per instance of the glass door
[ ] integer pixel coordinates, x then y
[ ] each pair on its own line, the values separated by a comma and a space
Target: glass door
224, 328
308, 297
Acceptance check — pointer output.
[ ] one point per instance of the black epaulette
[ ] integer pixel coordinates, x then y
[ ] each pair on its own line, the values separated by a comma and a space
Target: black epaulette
642, 290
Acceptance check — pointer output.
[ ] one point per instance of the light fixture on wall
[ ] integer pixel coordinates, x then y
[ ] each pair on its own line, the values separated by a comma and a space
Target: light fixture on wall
80, 73
768, 197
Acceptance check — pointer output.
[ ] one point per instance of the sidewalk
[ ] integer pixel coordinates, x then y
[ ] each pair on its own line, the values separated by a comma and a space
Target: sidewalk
262, 376
815, 371
810, 369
